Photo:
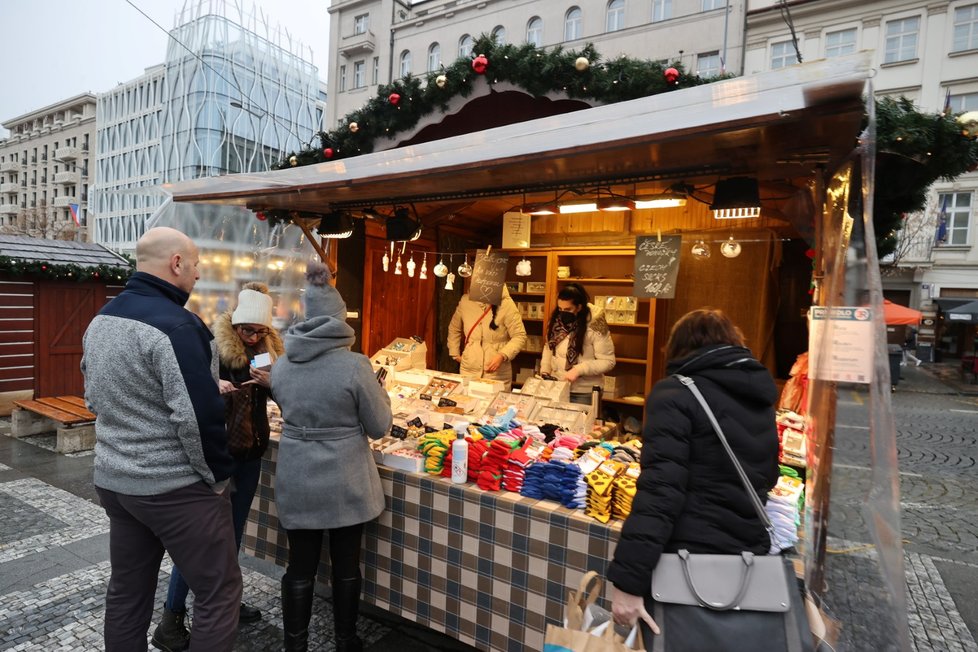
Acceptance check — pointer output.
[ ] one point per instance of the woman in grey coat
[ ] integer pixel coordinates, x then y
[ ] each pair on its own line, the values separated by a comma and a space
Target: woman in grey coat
326, 479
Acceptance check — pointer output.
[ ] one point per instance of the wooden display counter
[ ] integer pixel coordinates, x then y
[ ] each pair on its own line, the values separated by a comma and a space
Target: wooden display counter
488, 568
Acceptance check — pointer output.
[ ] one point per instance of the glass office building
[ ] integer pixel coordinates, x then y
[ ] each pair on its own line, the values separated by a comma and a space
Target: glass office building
226, 100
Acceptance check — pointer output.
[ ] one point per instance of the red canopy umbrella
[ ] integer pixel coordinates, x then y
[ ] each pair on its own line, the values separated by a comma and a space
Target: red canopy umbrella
896, 315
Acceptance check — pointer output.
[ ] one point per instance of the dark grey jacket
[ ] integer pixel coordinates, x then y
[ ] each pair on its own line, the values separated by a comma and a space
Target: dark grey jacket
331, 402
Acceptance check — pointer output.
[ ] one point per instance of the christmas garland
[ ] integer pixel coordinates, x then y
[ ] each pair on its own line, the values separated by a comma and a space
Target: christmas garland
70, 272
579, 74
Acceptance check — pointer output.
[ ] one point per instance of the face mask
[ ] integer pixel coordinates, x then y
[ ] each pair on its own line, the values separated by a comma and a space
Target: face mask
566, 318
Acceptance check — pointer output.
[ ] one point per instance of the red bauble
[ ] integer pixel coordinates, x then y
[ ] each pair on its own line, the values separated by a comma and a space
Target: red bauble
44, 268
261, 216
479, 64
394, 98
671, 75
810, 253
328, 152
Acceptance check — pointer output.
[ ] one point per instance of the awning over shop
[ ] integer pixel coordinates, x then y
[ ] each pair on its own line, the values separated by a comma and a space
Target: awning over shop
966, 312
947, 303
896, 315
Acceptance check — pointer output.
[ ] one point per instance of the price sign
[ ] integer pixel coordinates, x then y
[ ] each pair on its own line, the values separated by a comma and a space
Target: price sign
656, 266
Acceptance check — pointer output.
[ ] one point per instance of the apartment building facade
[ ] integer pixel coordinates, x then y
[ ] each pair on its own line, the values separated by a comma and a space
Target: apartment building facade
46, 170
927, 52
227, 99
373, 42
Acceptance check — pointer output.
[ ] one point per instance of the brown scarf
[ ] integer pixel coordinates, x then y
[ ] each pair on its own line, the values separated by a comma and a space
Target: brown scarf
557, 333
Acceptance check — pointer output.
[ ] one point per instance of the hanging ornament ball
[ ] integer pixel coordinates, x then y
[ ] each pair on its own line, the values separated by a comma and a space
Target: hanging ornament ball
293, 161
479, 64
441, 80
328, 152
261, 216
810, 253
671, 75
394, 98
582, 64
354, 127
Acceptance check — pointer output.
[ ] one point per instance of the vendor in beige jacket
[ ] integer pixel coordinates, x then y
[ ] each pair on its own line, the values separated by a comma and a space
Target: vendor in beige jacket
578, 347
484, 338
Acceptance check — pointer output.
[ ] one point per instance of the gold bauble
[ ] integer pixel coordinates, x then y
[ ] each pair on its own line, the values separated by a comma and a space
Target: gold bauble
354, 127
582, 64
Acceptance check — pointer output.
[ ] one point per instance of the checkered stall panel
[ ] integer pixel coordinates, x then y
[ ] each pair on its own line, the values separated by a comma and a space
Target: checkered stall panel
489, 568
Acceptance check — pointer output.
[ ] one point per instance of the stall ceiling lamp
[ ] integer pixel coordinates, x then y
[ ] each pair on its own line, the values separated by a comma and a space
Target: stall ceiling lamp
401, 227
335, 225
541, 209
664, 200
615, 204
736, 198
586, 206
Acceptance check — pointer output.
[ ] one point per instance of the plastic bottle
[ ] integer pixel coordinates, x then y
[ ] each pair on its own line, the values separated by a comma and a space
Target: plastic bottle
460, 459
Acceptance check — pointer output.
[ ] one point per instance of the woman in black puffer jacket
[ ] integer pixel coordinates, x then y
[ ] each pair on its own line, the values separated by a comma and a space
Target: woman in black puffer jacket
689, 495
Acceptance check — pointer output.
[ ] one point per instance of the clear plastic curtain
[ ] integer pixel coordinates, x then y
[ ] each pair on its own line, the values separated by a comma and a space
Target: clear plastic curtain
853, 547
237, 248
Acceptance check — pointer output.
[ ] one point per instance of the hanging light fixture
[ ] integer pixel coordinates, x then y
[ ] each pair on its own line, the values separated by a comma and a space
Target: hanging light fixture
401, 226
582, 206
335, 225
699, 250
736, 198
615, 204
672, 197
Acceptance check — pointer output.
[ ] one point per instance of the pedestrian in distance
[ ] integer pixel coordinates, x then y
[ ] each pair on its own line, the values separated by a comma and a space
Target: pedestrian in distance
326, 482
240, 335
161, 463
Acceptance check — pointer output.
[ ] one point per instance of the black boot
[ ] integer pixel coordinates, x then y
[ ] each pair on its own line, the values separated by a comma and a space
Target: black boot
346, 608
296, 612
171, 635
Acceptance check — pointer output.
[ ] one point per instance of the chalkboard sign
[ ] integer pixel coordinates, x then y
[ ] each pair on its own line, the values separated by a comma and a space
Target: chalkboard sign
656, 266
488, 277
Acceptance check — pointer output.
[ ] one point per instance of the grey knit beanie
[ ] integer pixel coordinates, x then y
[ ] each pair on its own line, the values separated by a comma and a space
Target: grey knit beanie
322, 299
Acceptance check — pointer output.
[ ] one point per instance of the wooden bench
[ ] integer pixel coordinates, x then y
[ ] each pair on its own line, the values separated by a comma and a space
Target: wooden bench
67, 415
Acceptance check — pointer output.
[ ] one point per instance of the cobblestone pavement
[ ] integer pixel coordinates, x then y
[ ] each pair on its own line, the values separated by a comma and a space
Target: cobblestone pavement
54, 567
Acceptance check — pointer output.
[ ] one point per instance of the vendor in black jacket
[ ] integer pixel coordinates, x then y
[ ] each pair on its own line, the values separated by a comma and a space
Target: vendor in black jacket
689, 495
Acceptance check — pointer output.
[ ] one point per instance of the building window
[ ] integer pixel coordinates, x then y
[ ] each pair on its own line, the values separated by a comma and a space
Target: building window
405, 66
965, 28
573, 24
616, 16
901, 39
963, 102
375, 71
434, 57
708, 64
499, 35
359, 72
342, 78
465, 45
361, 23
840, 43
782, 54
661, 10
710, 5
534, 31
955, 217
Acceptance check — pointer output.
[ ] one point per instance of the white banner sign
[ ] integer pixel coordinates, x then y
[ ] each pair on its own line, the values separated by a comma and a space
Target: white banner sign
840, 343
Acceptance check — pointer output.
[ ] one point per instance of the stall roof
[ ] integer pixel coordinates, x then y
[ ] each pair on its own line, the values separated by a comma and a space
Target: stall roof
59, 252
777, 126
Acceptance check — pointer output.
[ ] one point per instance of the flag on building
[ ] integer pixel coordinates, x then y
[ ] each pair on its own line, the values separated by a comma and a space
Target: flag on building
947, 102
74, 213
942, 223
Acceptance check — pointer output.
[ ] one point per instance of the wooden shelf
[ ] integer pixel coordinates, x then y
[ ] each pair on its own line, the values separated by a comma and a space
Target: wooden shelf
614, 325
640, 361
621, 401
531, 319
598, 281
529, 294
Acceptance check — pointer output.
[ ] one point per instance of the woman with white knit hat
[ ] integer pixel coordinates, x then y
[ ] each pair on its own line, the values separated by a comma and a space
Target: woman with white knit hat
240, 335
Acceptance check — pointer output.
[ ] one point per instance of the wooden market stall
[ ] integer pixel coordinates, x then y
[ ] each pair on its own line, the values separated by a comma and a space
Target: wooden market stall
492, 568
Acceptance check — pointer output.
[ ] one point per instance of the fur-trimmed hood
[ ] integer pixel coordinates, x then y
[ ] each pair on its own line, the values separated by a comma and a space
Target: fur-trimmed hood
231, 349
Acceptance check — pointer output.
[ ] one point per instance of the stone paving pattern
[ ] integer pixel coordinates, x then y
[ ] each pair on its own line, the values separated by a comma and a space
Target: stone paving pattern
54, 542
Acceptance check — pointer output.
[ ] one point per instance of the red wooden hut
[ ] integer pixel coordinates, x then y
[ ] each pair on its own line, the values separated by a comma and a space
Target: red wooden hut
49, 292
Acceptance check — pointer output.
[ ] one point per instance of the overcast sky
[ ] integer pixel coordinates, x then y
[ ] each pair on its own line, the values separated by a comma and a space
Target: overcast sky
56, 49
